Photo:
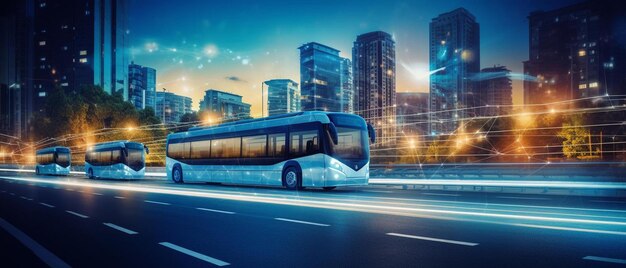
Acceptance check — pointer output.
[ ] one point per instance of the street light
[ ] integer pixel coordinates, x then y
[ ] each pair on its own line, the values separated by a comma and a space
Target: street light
163, 105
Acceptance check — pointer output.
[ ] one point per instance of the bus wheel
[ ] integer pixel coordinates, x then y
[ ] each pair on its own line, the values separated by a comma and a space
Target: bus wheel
177, 174
329, 188
90, 174
292, 179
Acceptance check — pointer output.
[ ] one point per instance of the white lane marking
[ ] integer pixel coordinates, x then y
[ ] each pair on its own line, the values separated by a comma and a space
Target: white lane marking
156, 202
522, 198
606, 201
96, 193
26, 198
44, 254
604, 259
120, 197
77, 214
440, 194
120, 228
11, 193
70, 189
216, 210
194, 254
378, 191
434, 239
571, 229
45, 204
303, 222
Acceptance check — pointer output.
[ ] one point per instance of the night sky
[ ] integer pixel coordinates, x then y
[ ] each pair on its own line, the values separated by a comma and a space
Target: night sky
235, 45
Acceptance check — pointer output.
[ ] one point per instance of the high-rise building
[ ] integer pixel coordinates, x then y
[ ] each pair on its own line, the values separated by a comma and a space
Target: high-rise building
227, 106
320, 78
170, 107
374, 71
347, 92
79, 42
16, 69
283, 96
495, 92
412, 113
578, 51
454, 59
142, 86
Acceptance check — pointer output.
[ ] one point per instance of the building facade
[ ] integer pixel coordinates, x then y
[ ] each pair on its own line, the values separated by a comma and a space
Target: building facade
16, 67
320, 78
454, 58
80, 43
495, 92
374, 83
142, 86
412, 113
347, 91
170, 107
283, 96
227, 106
578, 51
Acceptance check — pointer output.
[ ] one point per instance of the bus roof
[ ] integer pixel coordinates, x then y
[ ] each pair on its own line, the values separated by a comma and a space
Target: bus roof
53, 149
265, 122
112, 144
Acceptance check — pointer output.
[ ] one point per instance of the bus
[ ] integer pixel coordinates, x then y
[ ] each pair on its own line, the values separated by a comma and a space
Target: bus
116, 160
53, 161
295, 150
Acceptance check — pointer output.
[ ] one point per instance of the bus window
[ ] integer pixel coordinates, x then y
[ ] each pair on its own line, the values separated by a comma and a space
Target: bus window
304, 142
200, 149
63, 159
116, 156
277, 145
226, 148
254, 146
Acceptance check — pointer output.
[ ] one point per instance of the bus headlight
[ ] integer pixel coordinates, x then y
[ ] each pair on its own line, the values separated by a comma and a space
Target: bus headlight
336, 164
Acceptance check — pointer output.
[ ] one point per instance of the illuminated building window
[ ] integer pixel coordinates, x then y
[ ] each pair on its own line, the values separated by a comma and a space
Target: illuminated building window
83, 60
582, 53
83, 52
64, 84
582, 86
42, 43
593, 84
42, 94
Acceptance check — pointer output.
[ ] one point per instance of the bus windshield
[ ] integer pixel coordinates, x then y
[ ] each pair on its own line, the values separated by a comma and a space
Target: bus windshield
135, 158
63, 159
352, 140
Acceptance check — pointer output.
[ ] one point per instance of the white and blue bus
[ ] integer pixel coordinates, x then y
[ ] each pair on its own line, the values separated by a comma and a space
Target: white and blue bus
296, 150
53, 161
116, 160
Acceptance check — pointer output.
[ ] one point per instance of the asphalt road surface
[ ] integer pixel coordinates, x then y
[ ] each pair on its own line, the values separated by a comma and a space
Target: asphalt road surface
73, 221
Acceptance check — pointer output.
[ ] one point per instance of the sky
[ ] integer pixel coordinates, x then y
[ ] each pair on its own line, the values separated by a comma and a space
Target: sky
234, 45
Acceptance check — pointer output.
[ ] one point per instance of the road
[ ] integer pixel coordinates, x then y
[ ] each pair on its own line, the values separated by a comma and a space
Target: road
78, 222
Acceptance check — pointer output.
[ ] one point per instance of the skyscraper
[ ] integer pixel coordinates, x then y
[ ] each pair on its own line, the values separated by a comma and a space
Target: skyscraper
374, 70
495, 92
347, 92
16, 67
454, 58
227, 106
283, 96
175, 106
577, 51
78, 43
320, 78
141, 86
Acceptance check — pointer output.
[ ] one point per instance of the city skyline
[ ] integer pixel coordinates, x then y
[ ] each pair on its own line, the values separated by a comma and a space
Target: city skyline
238, 53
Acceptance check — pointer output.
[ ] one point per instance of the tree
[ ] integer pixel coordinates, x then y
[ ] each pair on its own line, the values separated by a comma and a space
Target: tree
575, 137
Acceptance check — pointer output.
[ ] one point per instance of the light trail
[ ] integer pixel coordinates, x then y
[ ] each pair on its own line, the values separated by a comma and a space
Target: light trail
347, 204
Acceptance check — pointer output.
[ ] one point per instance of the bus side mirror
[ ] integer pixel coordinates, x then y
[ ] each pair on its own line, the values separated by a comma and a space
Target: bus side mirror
332, 130
147, 150
371, 132
56, 156
125, 151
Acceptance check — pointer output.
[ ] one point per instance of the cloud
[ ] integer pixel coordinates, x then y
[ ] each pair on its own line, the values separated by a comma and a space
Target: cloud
235, 79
